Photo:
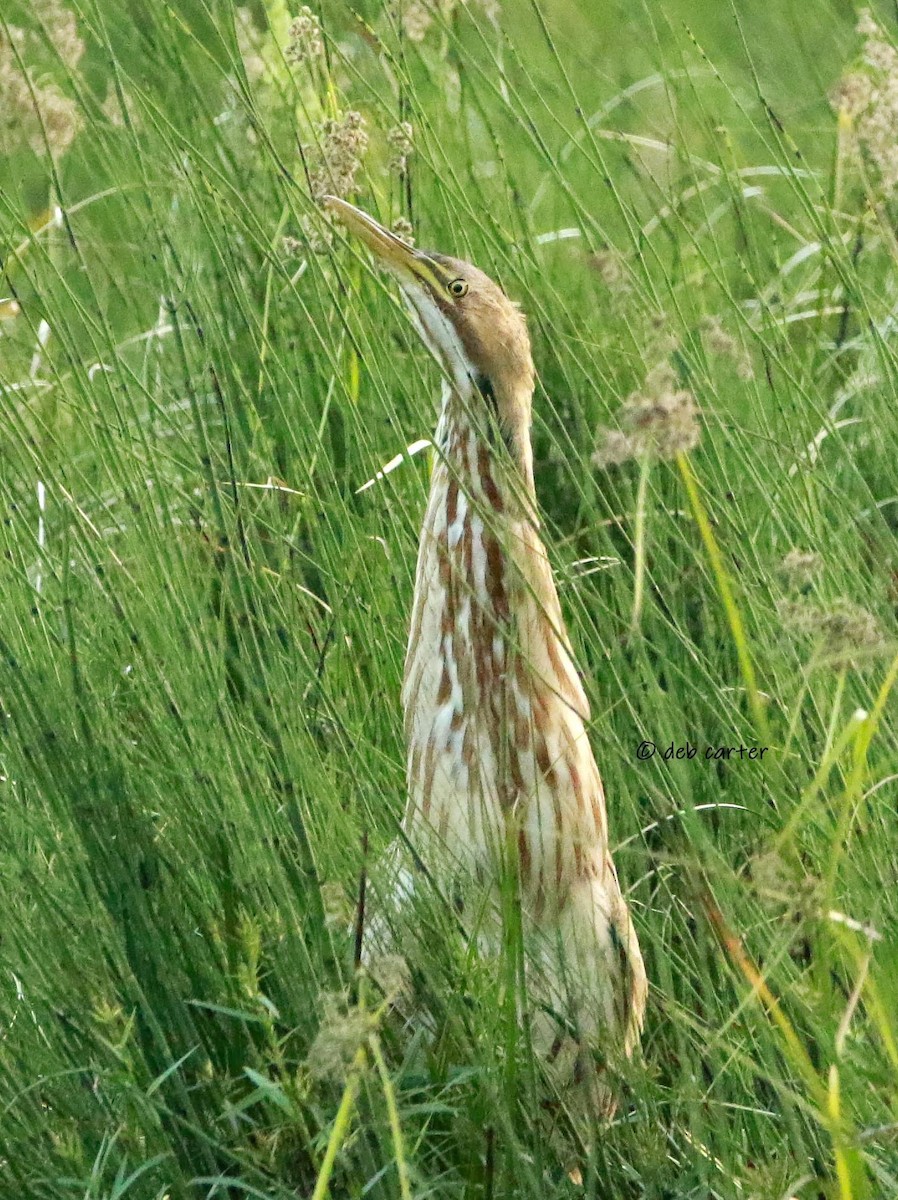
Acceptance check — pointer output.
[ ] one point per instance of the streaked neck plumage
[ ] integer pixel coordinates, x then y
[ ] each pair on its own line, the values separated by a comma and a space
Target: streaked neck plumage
494, 706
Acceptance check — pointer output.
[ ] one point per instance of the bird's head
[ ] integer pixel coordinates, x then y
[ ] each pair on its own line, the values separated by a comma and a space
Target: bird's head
478, 336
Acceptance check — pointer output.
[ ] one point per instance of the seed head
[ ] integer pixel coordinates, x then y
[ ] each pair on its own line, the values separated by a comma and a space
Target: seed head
417, 18
720, 342
399, 139
342, 142
868, 95
116, 108
770, 872
658, 421
292, 247
392, 975
250, 45
60, 117
776, 878
801, 567
306, 42
492, 10
32, 110
610, 266
866, 24
846, 634
404, 229
341, 1032
317, 238
62, 28
338, 911
852, 94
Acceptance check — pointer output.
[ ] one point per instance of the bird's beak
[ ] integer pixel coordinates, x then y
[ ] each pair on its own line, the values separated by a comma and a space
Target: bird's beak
407, 263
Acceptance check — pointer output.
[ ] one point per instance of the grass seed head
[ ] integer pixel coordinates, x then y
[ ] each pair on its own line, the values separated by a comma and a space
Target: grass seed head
338, 911
801, 567
659, 420
401, 143
341, 147
33, 110
392, 974
611, 267
416, 18
405, 230
249, 43
305, 41
868, 95
61, 25
846, 634
120, 110
341, 1032
721, 343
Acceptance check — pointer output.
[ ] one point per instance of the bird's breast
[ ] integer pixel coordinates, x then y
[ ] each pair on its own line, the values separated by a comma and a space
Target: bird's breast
498, 760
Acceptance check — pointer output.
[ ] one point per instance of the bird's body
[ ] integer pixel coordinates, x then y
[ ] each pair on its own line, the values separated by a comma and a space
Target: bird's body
501, 776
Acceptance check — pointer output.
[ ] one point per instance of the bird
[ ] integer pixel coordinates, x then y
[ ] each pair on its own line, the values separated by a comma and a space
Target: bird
501, 776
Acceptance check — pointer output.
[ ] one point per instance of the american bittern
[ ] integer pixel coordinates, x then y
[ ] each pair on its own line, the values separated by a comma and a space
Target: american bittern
499, 765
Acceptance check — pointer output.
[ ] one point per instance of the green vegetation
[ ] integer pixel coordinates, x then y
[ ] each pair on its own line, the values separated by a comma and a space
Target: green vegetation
202, 619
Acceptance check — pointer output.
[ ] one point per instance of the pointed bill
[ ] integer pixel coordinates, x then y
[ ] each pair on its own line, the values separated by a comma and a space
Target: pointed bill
407, 263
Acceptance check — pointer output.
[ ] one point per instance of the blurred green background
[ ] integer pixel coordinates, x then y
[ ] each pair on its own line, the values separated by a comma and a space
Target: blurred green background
202, 619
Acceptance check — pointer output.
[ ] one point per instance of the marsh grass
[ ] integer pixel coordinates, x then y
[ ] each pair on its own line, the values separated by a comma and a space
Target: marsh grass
202, 620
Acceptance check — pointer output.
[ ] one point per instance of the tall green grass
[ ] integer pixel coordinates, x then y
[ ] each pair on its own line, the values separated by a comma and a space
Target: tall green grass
202, 619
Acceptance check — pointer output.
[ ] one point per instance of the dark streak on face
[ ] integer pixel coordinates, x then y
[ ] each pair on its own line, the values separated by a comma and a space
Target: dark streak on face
484, 386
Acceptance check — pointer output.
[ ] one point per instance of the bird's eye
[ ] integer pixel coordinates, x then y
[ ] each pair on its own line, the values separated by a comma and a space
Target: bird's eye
459, 287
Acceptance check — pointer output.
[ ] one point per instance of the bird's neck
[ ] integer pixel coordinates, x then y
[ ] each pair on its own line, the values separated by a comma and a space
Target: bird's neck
483, 438
484, 581
492, 700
